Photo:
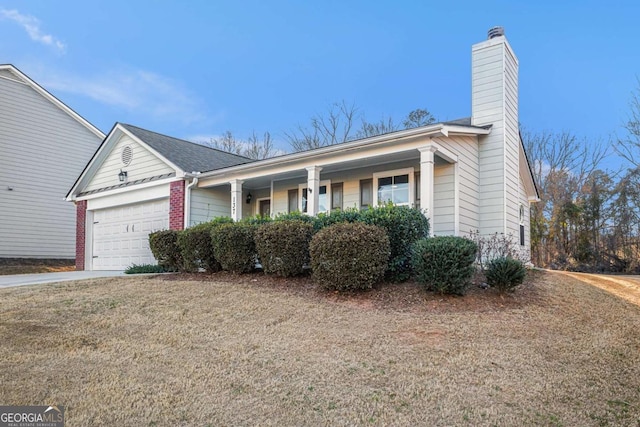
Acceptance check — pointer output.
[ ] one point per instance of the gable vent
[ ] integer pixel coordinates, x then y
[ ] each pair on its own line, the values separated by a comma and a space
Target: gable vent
127, 155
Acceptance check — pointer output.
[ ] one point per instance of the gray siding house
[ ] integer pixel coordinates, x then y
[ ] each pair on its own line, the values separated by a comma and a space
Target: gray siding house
43, 147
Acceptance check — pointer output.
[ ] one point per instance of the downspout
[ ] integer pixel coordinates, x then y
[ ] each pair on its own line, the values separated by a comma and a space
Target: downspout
187, 199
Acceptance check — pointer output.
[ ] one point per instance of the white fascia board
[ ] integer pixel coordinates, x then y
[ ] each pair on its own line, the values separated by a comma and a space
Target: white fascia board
128, 189
527, 177
369, 147
103, 151
43, 92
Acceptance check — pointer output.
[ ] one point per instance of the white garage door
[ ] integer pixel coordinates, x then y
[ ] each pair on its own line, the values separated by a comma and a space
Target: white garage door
121, 234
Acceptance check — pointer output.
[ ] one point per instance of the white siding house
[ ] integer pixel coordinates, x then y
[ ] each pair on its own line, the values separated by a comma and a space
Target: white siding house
466, 175
43, 147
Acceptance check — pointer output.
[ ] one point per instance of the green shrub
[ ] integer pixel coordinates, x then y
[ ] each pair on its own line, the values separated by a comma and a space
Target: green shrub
505, 274
283, 246
145, 268
404, 226
338, 216
165, 249
196, 248
445, 264
349, 256
256, 220
299, 216
234, 247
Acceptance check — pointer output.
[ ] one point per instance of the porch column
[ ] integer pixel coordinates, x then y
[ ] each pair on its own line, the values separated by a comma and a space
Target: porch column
313, 189
426, 182
236, 199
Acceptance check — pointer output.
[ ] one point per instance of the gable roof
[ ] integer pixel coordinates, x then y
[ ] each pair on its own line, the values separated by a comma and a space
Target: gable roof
188, 156
10, 72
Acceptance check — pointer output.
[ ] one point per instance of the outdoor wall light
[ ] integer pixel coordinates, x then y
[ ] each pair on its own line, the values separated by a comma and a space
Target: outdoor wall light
249, 197
122, 176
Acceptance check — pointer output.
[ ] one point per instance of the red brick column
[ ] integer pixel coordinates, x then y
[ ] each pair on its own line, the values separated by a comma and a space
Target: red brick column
81, 221
176, 205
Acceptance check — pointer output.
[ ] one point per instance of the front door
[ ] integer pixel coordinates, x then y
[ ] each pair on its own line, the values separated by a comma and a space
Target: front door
265, 208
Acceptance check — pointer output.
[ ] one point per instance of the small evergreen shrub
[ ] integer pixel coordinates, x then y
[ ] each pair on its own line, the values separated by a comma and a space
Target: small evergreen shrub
165, 249
505, 274
349, 256
404, 226
283, 246
299, 216
256, 220
234, 247
145, 268
196, 248
444, 264
338, 216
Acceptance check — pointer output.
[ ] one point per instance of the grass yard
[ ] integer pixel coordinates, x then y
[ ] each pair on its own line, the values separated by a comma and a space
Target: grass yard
247, 350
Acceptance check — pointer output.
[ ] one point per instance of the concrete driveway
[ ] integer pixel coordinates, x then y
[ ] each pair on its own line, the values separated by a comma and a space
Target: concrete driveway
35, 279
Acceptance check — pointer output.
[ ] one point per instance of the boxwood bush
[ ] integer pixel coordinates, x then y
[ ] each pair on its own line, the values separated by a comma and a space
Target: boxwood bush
349, 256
196, 248
283, 246
234, 247
445, 264
165, 249
404, 226
505, 274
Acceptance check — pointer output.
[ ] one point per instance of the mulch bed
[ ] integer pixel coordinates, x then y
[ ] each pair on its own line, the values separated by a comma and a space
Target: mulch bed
407, 296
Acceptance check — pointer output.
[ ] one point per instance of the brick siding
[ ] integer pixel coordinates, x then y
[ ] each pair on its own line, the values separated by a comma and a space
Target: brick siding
176, 205
81, 221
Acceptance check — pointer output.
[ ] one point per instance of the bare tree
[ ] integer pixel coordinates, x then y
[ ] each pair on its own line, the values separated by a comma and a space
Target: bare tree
254, 147
226, 142
376, 128
629, 146
334, 127
417, 118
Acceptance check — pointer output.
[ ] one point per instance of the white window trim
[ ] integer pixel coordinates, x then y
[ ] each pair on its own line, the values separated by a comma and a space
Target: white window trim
301, 187
386, 174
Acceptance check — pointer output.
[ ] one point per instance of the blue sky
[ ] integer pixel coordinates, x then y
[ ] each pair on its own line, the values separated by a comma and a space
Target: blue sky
194, 69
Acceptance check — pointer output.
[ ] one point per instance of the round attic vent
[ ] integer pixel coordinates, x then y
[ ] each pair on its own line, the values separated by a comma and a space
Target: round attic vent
127, 155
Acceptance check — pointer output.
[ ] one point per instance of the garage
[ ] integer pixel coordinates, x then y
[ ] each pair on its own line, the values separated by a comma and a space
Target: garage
121, 234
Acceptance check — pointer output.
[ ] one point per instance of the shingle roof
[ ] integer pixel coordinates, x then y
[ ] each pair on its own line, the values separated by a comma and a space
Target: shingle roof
188, 156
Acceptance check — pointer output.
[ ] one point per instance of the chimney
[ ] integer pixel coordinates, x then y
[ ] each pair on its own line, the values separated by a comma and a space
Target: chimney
494, 102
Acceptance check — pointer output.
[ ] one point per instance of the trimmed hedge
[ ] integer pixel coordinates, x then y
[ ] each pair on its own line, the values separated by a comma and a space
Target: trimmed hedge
196, 248
404, 226
165, 249
445, 264
234, 247
505, 274
283, 246
349, 256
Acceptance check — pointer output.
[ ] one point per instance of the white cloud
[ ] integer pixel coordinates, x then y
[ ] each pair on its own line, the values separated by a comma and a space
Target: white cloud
31, 25
135, 91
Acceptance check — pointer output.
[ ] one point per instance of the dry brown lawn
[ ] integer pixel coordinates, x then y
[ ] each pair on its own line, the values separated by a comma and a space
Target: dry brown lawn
247, 350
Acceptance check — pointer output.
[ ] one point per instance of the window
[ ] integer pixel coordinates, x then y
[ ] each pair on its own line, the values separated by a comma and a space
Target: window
416, 178
336, 196
323, 200
366, 193
293, 200
394, 186
521, 225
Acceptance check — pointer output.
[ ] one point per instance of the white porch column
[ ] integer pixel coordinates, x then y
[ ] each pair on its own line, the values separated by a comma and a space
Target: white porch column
313, 189
426, 182
236, 199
